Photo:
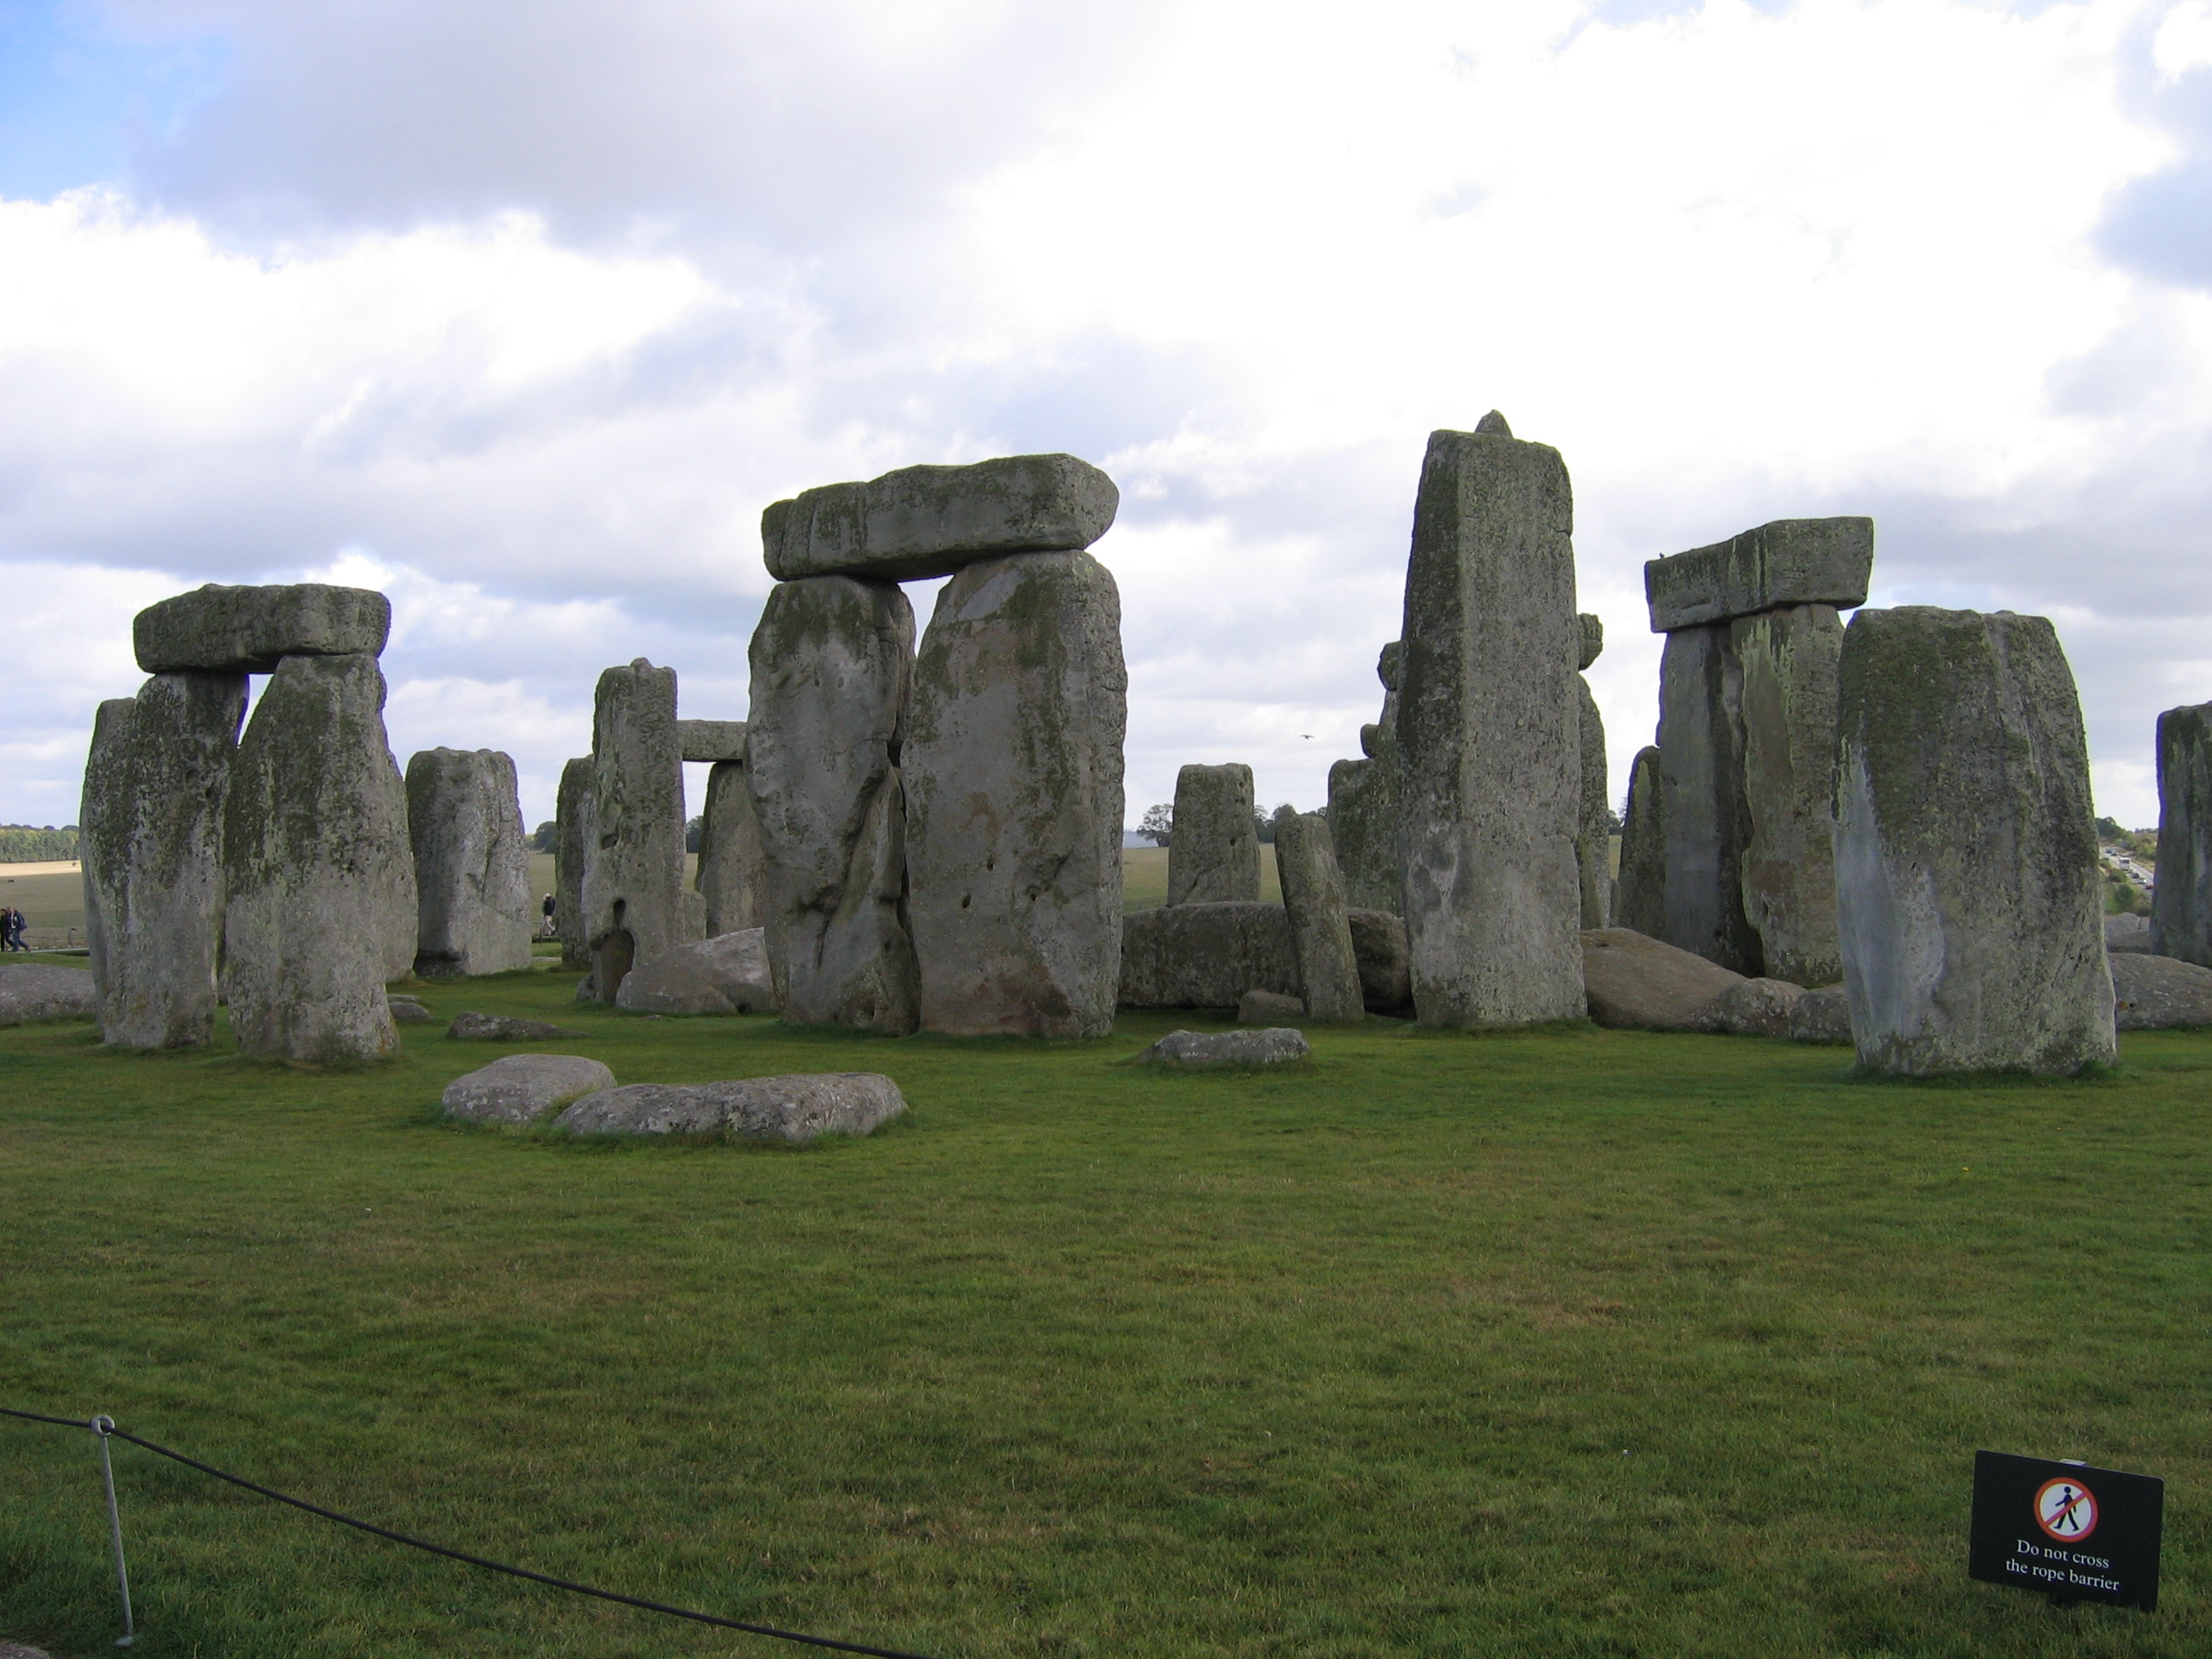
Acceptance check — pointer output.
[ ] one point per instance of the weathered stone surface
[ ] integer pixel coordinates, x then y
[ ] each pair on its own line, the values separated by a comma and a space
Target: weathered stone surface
1386, 972
1221, 1050
632, 893
1013, 782
933, 520
790, 1109
37, 990
1213, 855
405, 1010
320, 911
499, 1027
1267, 1008
150, 825
1785, 671
1823, 1015
832, 666
711, 740
1704, 813
523, 1088
1646, 983
1967, 885
1320, 931
1592, 639
1488, 736
1639, 893
2152, 994
2181, 903
474, 910
726, 975
573, 839
2127, 933
1788, 562
241, 631
730, 863
1206, 956
1593, 819
1759, 1008
1362, 802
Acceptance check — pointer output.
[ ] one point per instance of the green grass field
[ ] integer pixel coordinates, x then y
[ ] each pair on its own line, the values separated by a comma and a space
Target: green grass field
1574, 1344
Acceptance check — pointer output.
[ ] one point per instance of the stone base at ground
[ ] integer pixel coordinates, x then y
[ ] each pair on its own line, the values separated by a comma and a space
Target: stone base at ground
1823, 1015
1636, 981
1757, 1007
2151, 993
728, 975
790, 1109
33, 990
1386, 969
1203, 1050
501, 1028
523, 1088
1267, 1008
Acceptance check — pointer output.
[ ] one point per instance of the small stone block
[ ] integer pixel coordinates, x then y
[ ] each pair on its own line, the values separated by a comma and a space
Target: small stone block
1789, 561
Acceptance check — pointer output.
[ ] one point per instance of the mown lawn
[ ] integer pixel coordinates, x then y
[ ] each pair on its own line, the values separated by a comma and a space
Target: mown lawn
1582, 1343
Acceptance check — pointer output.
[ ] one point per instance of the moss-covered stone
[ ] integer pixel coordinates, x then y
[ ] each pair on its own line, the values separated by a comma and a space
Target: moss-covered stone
239, 630
711, 740
1321, 931
2181, 901
1593, 824
1639, 894
1706, 813
1214, 854
1785, 664
474, 913
633, 892
1362, 802
1790, 561
573, 837
729, 852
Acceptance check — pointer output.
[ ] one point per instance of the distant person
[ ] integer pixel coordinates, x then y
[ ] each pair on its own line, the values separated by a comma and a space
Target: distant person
549, 908
14, 922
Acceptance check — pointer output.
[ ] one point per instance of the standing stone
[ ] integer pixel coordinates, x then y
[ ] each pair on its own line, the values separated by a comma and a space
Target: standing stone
633, 897
1967, 864
321, 909
1786, 662
1707, 815
1363, 803
730, 866
832, 668
1639, 899
156, 784
1488, 739
1214, 853
1320, 932
1593, 838
1013, 778
572, 823
472, 863
2181, 898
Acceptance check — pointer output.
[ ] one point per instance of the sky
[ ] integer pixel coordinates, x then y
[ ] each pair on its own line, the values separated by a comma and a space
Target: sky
521, 311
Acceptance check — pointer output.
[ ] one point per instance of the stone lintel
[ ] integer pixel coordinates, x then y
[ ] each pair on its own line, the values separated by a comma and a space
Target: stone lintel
1789, 562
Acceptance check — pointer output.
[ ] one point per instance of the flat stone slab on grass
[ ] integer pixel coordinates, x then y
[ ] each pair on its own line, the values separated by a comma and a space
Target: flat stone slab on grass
796, 1109
501, 1028
2151, 993
523, 1088
35, 990
1640, 982
1278, 1045
247, 630
726, 975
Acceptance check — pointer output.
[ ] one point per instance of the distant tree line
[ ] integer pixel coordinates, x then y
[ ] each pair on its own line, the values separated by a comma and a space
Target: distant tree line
24, 843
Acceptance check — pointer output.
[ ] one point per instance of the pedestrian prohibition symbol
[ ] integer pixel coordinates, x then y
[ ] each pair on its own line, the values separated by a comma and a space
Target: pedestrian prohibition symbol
2066, 1509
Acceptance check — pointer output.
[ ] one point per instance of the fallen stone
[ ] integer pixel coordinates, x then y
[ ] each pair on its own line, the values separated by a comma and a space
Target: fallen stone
2127, 933
1213, 853
924, 521
320, 909
1785, 667
1704, 813
633, 887
1206, 956
501, 1028
409, 1013
1789, 561
1968, 894
797, 1109
1193, 1050
1013, 797
1320, 931
726, 975
522, 1088
248, 630
36, 990
832, 666
1759, 1008
1488, 736
573, 839
1267, 1008
155, 785
474, 910
1639, 892
1386, 973
2181, 901
711, 740
2152, 993
1594, 820
17, 1651
1643, 983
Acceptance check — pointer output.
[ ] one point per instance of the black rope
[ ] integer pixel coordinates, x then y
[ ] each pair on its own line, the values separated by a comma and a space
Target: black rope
463, 1555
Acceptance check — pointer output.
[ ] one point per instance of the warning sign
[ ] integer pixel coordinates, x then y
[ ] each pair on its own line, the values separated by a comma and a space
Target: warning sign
2066, 1509
2073, 1533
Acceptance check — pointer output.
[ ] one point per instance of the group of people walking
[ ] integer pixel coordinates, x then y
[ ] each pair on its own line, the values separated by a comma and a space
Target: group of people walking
12, 923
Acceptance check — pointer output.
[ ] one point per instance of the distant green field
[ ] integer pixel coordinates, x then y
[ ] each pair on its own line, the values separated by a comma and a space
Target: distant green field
1587, 1343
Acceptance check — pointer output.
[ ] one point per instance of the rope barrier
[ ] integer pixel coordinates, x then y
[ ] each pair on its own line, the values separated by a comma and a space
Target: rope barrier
105, 1428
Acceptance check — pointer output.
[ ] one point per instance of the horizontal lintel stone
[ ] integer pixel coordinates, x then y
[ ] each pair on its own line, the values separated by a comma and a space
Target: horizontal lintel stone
1789, 561
248, 630
711, 740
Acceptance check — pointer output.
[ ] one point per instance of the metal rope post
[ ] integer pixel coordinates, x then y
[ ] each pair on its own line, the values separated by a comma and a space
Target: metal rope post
101, 1427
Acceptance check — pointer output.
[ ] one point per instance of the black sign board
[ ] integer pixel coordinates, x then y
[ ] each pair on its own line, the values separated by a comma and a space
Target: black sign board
2075, 1533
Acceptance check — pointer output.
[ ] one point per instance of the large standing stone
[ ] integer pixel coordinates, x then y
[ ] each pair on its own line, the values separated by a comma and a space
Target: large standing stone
1706, 814
1639, 897
1488, 736
1785, 660
1320, 932
239, 630
321, 909
1013, 776
832, 665
1363, 803
472, 863
633, 897
730, 867
572, 826
1966, 866
156, 784
2181, 899
1594, 828
933, 520
1213, 853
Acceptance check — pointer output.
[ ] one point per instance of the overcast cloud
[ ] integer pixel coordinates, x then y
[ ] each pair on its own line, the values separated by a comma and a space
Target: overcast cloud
523, 312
